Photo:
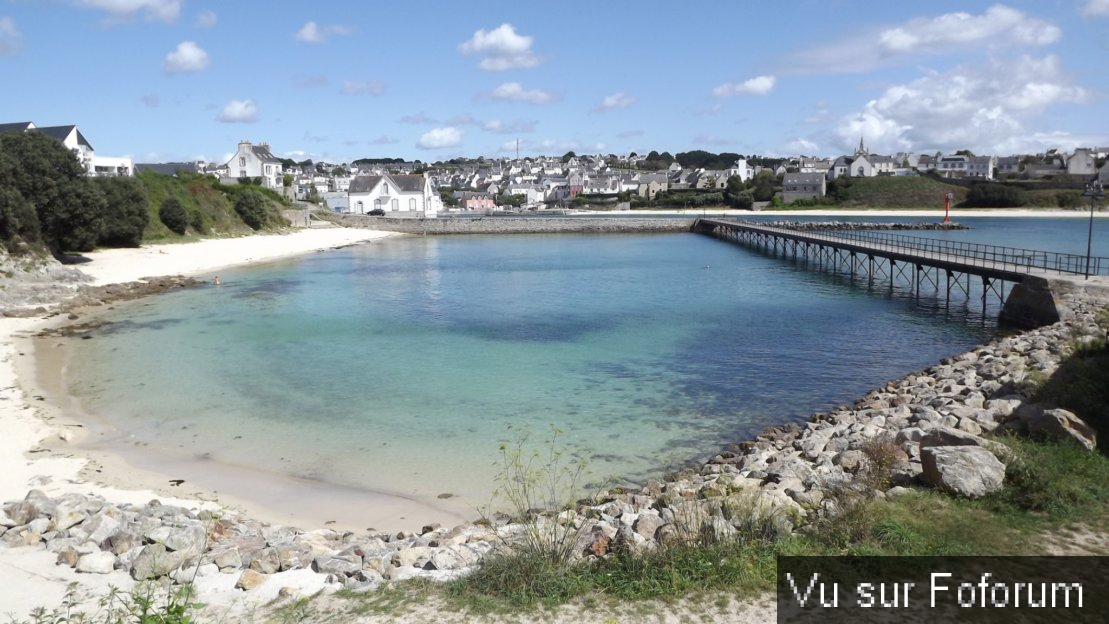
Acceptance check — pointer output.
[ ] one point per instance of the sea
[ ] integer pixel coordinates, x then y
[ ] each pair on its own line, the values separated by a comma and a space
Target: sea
412, 365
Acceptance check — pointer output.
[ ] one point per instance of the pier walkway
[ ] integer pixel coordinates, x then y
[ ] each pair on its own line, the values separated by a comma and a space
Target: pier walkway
936, 265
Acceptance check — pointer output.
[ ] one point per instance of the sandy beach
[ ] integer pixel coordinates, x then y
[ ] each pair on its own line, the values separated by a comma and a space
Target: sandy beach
31, 425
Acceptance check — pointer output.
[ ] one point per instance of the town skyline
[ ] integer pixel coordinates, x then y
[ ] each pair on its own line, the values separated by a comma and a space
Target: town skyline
175, 80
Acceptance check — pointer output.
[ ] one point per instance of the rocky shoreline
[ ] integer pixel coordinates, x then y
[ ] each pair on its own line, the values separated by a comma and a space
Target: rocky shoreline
923, 430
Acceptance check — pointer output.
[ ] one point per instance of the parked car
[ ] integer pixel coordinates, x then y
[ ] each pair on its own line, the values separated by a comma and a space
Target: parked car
376, 212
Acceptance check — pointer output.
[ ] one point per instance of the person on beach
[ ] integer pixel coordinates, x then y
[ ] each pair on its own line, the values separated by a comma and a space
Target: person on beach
216, 281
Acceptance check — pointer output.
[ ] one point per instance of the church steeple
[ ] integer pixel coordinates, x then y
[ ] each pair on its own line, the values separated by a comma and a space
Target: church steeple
862, 148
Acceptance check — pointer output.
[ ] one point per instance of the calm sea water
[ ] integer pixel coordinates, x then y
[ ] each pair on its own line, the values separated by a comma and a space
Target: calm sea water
400, 366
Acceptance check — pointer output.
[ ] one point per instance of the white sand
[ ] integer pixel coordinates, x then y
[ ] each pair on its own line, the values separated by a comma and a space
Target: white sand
30, 576
112, 266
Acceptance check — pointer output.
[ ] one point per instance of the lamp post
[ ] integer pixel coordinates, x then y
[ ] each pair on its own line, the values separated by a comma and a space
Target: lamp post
1095, 192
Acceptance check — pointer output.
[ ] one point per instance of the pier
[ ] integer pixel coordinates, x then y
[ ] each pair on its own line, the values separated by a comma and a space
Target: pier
1026, 283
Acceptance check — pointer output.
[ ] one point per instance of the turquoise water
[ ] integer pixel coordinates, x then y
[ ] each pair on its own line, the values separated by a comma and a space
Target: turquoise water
400, 366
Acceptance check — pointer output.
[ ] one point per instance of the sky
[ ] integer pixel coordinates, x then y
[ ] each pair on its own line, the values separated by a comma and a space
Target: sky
336, 80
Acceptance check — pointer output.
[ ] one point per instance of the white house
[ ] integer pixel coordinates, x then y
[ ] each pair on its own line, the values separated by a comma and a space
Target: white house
256, 161
72, 138
396, 195
1081, 163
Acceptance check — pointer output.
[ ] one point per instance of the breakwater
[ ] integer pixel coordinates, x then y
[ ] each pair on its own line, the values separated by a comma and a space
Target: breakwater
519, 225
808, 226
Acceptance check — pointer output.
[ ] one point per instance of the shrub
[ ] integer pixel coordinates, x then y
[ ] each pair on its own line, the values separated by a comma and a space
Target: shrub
251, 208
125, 214
993, 195
18, 220
173, 215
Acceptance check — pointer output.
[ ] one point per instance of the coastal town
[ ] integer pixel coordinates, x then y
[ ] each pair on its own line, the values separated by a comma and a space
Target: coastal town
413, 189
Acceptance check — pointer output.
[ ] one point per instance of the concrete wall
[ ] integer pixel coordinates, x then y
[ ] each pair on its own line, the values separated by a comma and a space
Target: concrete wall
519, 225
1038, 301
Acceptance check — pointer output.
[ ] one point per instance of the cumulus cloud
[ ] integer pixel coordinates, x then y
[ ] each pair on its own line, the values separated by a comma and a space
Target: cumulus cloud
10, 38
802, 146
985, 107
239, 111
207, 19
1096, 8
440, 138
759, 85
503, 48
615, 101
312, 32
161, 10
356, 87
187, 57
998, 26
513, 91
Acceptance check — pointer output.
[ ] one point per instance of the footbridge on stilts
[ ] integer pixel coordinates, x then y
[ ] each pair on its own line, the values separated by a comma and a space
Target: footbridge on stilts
933, 266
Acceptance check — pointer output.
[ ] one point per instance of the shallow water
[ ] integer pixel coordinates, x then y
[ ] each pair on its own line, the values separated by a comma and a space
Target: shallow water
400, 366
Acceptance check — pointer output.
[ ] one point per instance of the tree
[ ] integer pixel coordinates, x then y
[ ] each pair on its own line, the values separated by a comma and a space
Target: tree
286, 180
173, 215
764, 186
993, 195
18, 221
125, 211
964, 152
48, 175
251, 208
568, 155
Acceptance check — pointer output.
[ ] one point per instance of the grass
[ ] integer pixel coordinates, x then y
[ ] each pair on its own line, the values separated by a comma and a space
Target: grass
210, 206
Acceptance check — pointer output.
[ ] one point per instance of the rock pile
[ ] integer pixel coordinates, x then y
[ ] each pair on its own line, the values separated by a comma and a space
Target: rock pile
924, 430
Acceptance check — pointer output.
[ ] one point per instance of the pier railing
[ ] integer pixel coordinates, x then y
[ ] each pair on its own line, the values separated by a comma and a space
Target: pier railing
995, 256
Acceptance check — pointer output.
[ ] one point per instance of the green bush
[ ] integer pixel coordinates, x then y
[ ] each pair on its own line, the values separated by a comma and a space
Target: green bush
18, 220
173, 216
993, 195
125, 214
251, 208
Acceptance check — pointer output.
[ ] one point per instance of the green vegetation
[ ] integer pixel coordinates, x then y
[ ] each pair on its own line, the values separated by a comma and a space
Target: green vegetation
46, 201
993, 195
173, 216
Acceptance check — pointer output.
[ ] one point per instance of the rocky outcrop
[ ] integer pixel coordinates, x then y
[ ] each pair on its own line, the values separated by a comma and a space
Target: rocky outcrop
969, 471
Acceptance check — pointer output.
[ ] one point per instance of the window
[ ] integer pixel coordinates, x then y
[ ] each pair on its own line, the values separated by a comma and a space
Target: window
267, 169
412, 204
242, 161
384, 189
396, 205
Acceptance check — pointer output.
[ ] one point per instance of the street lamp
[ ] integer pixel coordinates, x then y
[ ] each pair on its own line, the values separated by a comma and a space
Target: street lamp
1095, 192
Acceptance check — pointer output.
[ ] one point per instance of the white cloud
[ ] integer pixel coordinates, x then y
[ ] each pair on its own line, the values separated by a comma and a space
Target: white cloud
161, 10
207, 19
513, 91
502, 47
998, 26
312, 32
416, 119
759, 85
516, 126
440, 138
355, 87
985, 107
10, 38
1096, 8
239, 111
614, 101
187, 57
802, 146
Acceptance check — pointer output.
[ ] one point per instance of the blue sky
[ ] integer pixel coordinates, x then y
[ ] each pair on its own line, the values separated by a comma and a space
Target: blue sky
162, 80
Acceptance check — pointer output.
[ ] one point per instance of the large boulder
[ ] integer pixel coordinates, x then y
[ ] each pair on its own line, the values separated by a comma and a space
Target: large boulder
1059, 424
969, 471
154, 561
